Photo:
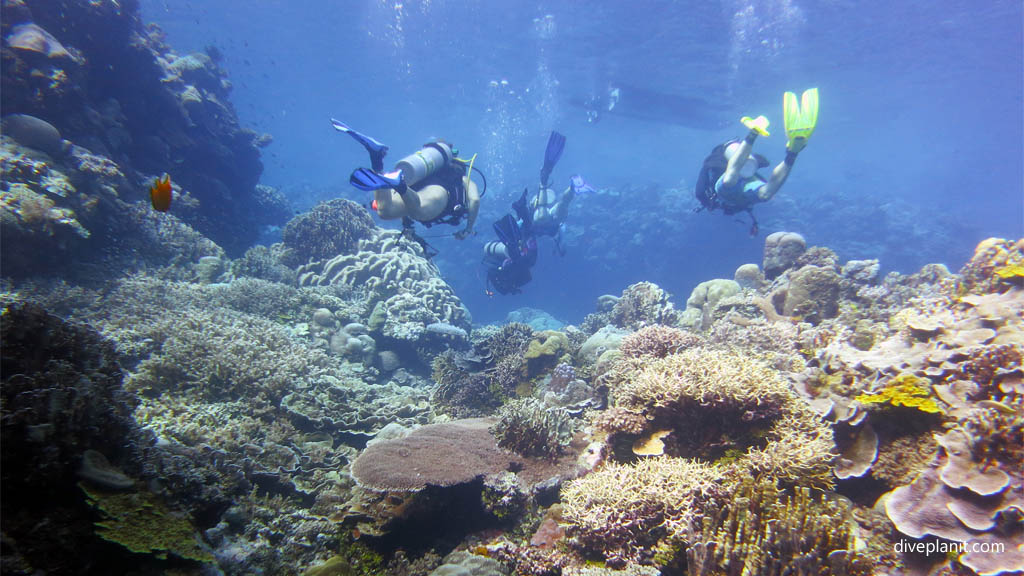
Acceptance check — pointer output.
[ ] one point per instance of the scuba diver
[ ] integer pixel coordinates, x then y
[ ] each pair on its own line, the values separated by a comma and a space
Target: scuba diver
729, 177
509, 260
549, 210
430, 186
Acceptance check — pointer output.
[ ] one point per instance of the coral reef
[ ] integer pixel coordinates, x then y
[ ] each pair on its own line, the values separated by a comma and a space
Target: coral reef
110, 85
330, 229
641, 304
657, 341
624, 511
143, 525
402, 288
528, 428
781, 249
762, 533
703, 299
992, 267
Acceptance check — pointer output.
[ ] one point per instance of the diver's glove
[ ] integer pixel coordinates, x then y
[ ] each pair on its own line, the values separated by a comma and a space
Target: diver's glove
758, 127
462, 234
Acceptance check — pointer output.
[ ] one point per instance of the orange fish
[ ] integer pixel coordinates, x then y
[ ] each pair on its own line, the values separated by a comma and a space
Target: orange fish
160, 194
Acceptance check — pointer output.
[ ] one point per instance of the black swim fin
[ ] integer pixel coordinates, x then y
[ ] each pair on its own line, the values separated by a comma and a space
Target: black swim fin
376, 148
508, 232
520, 207
556, 144
368, 181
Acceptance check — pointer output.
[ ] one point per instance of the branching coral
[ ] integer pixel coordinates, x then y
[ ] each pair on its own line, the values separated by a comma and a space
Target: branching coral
760, 532
623, 511
528, 428
706, 379
657, 341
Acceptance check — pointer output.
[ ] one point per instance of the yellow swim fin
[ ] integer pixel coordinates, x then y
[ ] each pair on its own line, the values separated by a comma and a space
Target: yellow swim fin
759, 124
800, 119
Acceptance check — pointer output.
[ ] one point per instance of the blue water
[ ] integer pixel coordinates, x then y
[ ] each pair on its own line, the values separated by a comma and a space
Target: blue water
917, 157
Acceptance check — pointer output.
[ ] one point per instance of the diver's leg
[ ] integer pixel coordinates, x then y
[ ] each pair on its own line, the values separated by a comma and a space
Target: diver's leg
426, 203
390, 204
776, 180
732, 170
560, 211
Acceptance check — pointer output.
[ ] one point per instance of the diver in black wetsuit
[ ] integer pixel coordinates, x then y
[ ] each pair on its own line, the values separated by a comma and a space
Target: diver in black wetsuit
509, 260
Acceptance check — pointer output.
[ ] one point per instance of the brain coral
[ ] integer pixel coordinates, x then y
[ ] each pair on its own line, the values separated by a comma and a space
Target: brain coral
329, 229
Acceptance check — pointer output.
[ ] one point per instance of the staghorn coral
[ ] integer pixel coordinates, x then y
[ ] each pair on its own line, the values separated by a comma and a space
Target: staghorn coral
761, 532
623, 511
529, 428
657, 341
698, 378
330, 229
641, 304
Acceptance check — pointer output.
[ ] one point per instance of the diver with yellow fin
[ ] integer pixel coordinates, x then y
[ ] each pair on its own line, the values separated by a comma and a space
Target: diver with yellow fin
729, 178
430, 186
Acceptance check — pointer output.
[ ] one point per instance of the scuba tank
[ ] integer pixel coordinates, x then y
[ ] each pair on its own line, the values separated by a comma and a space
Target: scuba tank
425, 161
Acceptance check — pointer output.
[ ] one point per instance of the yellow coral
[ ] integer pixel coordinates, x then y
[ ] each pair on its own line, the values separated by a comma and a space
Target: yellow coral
904, 390
1010, 272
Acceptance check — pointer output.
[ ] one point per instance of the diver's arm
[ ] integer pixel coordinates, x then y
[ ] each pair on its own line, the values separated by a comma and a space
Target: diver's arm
775, 181
472, 208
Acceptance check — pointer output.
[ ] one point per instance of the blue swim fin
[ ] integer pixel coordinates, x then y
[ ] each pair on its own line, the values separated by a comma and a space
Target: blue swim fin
376, 149
556, 144
368, 181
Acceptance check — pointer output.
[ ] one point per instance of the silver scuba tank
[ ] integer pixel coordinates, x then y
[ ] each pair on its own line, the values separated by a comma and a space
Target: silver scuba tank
425, 161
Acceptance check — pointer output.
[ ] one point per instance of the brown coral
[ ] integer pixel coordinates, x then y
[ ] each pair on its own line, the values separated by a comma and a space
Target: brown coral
642, 304
622, 511
329, 229
657, 341
979, 275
